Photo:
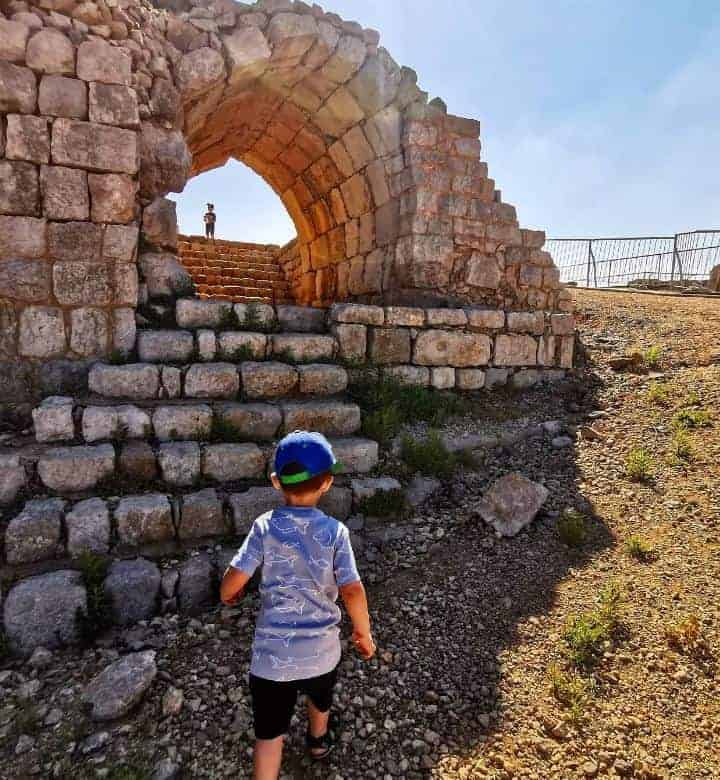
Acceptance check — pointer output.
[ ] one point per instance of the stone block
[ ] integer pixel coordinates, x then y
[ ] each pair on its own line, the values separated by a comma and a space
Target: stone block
303, 348
25, 280
442, 377
120, 686
389, 345
254, 422
252, 315
546, 350
159, 225
196, 313
352, 341
237, 345
89, 332
53, 419
165, 161
12, 478
137, 462
515, 350
42, 611
13, 39
136, 381
248, 506
164, 275
511, 503
42, 332
409, 375
367, 487
27, 138
212, 380
120, 242
526, 322
198, 71
322, 379
201, 515
113, 104
144, 519
97, 60
88, 528
404, 316
230, 462
567, 347
115, 422
182, 422
376, 83
469, 378
63, 97
357, 313
453, 348
81, 241
337, 502
206, 345
496, 377
113, 197
331, 418
562, 324
74, 283
301, 319
180, 463
34, 535
424, 261
527, 377
72, 469
19, 191
22, 236
18, 89
165, 346
51, 51
446, 317
357, 456
268, 380
93, 146
133, 587
170, 382
123, 339
485, 319
64, 193
195, 589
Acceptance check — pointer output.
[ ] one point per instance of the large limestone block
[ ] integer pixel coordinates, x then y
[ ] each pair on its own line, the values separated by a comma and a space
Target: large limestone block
357, 455
329, 417
194, 313
12, 478
424, 261
405, 316
512, 350
389, 345
144, 519
137, 462
22, 236
113, 197
376, 83
165, 346
352, 341
120, 242
72, 469
165, 161
112, 104
485, 319
63, 96
195, 588
252, 422
247, 52
248, 506
42, 611
212, 380
34, 534
182, 422
239, 345
469, 378
133, 587
13, 39
252, 315
97, 60
301, 319
198, 71
562, 324
64, 193
357, 313
231, 462
268, 380
136, 381
526, 322
120, 686
291, 35
201, 515
180, 463
53, 419
42, 332
18, 89
443, 377
75, 283
164, 275
452, 348
345, 61
322, 379
88, 528
511, 503
100, 423
19, 190
446, 317
159, 229
51, 51
27, 138
418, 376
81, 241
303, 348
93, 146
367, 487
89, 332
25, 280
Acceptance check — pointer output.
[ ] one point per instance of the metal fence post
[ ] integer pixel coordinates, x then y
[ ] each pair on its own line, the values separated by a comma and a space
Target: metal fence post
674, 253
587, 281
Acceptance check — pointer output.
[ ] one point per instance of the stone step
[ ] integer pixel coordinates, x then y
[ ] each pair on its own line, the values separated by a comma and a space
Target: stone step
192, 313
177, 464
60, 419
206, 292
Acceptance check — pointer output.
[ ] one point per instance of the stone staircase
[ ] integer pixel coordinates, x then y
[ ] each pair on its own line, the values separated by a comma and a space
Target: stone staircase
234, 271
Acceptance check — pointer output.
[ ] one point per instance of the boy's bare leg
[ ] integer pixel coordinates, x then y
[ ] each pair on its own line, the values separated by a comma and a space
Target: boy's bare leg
318, 722
268, 758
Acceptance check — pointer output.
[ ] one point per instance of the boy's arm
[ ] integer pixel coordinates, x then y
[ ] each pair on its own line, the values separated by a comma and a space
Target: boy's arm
355, 600
232, 586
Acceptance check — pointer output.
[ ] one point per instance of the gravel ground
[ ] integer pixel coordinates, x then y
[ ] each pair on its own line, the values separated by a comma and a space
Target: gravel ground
467, 624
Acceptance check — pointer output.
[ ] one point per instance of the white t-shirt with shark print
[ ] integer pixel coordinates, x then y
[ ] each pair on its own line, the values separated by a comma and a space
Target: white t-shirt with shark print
305, 556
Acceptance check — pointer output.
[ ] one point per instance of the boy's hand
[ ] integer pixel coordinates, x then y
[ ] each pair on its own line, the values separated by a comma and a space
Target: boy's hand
364, 644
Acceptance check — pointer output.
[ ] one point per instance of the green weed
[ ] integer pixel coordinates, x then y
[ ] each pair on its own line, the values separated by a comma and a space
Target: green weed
638, 465
97, 618
117, 358
5, 651
384, 503
651, 356
241, 354
431, 457
681, 448
692, 418
638, 549
382, 425
586, 635
224, 429
128, 772
570, 690
571, 528
658, 394
229, 319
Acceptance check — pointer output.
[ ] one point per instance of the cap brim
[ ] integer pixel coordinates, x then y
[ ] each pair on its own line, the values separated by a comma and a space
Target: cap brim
304, 476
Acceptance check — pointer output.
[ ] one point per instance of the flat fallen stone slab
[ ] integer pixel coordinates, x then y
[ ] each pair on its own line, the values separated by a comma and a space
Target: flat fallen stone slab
511, 503
120, 686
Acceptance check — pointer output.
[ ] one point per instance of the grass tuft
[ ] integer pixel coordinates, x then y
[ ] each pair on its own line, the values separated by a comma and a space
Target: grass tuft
651, 356
431, 457
687, 419
638, 549
658, 394
97, 618
384, 503
571, 690
686, 637
587, 634
571, 528
639, 465
681, 449
225, 430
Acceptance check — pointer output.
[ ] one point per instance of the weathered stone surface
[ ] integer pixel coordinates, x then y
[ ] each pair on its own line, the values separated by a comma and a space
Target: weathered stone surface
195, 590
352, 341
253, 422
230, 462
201, 515
469, 378
562, 324
442, 377
71, 469
62, 96
144, 519
409, 375
268, 380
22, 236
248, 51
12, 478
64, 193
526, 322
165, 161
367, 487
93, 146
164, 275
133, 587
197, 313
165, 346
301, 319
250, 315
41, 611
170, 382
337, 502
108, 422
34, 534
567, 348
120, 686
421, 489
322, 379
80, 241
291, 35
97, 60
13, 39
358, 456
19, 190
113, 104
515, 350
120, 242
484, 271
182, 422
485, 319
50, 51
180, 463
357, 313
42, 332
329, 417
88, 528
76, 282
303, 348
18, 89
198, 71
495, 377
89, 332
113, 197
404, 316
511, 503
136, 381
247, 506
159, 228
212, 380
239, 345
389, 345
137, 461
446, 317
424, 261
27, 138
453, 348
53, 419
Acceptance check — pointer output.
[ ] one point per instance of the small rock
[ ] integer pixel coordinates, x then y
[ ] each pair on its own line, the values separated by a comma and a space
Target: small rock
24, 744
561, 442
120, 686
172, 701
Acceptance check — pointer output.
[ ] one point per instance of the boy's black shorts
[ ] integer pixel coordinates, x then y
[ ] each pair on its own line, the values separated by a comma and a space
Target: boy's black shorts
273, 701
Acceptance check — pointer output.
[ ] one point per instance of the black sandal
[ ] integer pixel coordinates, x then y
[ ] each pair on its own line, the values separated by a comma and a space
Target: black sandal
326, 742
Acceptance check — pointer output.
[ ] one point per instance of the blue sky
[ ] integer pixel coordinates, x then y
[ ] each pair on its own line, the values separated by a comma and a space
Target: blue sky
598, 118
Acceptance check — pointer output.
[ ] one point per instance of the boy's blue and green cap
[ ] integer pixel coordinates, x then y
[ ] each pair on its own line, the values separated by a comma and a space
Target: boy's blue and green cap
302, 455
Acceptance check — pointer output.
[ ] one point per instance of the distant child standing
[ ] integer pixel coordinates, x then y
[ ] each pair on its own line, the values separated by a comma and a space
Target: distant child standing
305, 558
209, 219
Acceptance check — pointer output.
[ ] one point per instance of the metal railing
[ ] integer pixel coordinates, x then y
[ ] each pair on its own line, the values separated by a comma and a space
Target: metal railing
617, 262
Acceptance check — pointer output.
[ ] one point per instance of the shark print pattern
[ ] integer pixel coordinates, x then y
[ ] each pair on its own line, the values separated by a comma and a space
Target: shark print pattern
304, 556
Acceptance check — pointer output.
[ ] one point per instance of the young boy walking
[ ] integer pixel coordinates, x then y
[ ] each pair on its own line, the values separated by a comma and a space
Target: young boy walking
305, 559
